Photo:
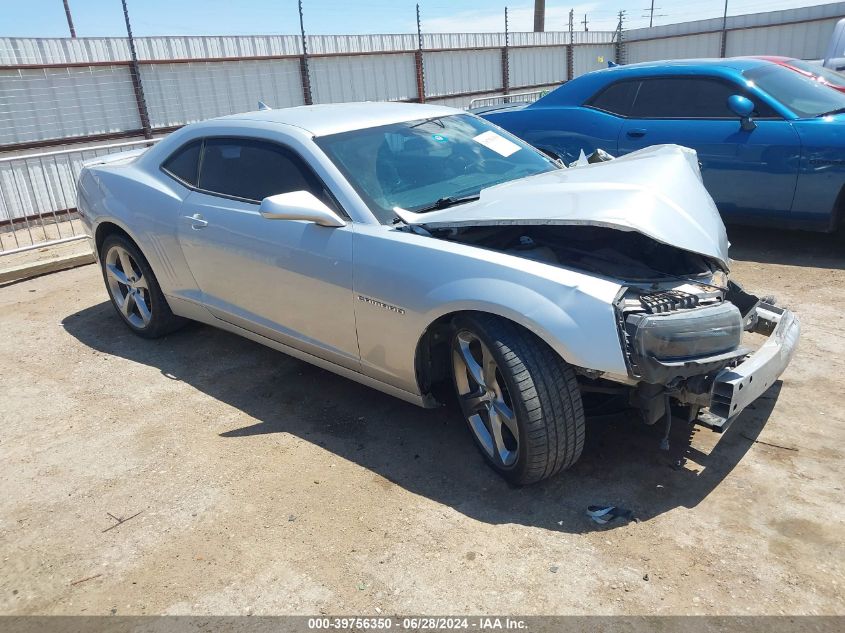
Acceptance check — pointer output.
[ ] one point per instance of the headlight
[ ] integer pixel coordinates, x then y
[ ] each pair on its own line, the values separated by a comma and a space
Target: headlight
682, 335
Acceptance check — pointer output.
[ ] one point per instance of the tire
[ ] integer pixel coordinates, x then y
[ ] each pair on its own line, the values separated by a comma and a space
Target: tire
528, 392
136, 297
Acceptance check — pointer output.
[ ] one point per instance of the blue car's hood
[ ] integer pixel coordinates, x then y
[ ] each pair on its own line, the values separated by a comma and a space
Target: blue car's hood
656, 191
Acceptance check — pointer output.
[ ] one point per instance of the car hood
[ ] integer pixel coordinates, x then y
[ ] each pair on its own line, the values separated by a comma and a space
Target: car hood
656, 191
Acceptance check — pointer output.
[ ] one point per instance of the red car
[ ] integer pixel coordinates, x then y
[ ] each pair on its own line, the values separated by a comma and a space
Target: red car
818, 72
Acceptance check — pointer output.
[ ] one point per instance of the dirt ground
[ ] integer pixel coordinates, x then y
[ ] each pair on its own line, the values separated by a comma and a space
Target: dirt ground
254, 483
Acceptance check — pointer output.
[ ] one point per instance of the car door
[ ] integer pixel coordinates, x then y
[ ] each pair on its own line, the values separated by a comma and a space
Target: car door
288, 280
748, 172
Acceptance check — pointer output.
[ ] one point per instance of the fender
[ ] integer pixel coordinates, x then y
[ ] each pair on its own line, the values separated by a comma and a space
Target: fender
579, 326
153, 223
570, 310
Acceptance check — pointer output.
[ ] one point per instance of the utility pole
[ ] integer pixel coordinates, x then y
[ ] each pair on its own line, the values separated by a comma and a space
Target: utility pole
135, 72
304, 71
584, 22
69, 20
723, 47
652, 14
418, 60
539, 16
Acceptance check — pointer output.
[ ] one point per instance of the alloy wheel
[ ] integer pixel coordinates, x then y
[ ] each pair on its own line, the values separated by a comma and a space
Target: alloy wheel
484, 399
128, 287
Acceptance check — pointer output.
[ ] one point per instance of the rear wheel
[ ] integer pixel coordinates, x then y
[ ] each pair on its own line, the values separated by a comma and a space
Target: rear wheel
134, 290
520, 399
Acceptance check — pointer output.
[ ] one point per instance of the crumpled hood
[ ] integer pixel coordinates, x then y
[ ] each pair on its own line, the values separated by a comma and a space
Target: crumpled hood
656, 191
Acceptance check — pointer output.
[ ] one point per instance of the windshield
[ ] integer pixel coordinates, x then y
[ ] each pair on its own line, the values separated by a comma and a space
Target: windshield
830, 76
804, 96
415, 164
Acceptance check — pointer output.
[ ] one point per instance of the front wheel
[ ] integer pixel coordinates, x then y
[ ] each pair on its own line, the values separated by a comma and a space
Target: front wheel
520, 399
134, 290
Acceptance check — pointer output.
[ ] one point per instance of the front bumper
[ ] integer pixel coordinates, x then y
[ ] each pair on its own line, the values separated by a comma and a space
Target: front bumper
734, 388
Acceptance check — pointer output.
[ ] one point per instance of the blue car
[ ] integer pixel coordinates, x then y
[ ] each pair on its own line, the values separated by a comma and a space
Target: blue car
771, 142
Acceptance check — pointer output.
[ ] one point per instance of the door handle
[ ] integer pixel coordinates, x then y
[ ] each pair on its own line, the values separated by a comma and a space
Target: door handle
197, 221
637, 133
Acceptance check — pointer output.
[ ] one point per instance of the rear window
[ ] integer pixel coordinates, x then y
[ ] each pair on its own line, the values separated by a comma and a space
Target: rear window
183, 163
616, 98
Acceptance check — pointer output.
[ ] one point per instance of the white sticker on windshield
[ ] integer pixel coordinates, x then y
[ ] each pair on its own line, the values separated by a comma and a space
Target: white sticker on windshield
497, 143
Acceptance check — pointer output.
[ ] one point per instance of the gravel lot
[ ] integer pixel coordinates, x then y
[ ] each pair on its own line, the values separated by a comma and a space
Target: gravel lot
259, 484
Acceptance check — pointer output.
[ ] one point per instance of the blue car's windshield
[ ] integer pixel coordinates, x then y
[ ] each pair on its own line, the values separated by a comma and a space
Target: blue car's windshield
803, 96
415, 164
830, 76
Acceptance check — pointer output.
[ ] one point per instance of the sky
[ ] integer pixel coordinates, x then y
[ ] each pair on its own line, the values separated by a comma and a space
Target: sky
97, 18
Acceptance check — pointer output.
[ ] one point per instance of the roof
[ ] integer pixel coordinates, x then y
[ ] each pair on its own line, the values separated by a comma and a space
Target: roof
333, 118
735, 63
574, 92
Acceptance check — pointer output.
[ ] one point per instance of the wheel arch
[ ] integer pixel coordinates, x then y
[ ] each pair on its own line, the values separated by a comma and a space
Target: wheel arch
432, 355
108, 227
574, 316
837, 214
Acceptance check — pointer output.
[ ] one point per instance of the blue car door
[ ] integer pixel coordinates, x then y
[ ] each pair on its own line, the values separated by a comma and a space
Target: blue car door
750, 172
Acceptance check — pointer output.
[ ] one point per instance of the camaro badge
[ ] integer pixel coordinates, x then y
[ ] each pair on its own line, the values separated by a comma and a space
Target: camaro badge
381, 304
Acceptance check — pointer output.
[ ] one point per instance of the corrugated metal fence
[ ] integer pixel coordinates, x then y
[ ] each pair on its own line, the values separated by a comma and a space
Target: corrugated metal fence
59, 91
803, 33
54, 90
81, 91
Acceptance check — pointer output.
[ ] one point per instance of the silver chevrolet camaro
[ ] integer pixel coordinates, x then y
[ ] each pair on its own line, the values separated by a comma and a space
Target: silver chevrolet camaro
413, 246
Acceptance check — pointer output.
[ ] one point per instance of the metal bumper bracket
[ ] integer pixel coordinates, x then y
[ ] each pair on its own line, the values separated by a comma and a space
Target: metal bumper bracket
735, 388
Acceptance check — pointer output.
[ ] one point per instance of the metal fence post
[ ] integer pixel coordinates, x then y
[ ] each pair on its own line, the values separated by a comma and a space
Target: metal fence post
304, 69
570, 48
506, 79
723, 44
620, 44
418, 61
135, 71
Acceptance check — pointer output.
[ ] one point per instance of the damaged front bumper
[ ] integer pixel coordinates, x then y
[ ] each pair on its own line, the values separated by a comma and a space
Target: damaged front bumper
734, 388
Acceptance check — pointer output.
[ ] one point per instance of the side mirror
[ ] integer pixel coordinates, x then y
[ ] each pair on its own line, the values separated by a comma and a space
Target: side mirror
299, 205
743, 107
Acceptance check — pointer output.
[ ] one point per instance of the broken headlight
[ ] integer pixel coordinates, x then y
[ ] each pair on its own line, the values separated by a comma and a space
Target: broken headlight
719, 279
660, 341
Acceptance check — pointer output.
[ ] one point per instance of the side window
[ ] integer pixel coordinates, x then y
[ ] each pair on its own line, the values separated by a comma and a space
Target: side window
183, 163
684, 98
615, 98
253, 170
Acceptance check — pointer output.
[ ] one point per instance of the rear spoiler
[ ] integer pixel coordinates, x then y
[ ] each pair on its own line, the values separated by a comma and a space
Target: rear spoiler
120, 157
